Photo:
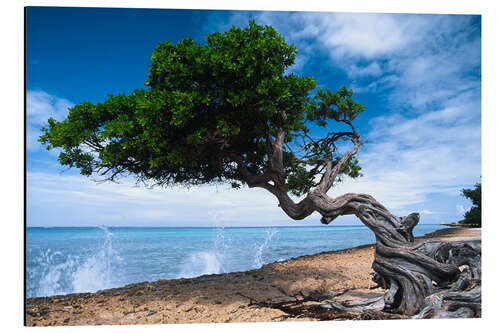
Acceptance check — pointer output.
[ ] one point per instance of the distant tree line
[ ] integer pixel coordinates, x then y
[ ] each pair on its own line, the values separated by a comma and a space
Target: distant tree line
473, 216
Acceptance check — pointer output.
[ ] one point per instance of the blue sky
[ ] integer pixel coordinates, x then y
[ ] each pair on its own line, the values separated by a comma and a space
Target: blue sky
418, 75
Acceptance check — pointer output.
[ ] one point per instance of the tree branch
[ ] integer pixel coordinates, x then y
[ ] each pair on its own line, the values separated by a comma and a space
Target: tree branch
332, 171
251, 179
275, 156
275, 173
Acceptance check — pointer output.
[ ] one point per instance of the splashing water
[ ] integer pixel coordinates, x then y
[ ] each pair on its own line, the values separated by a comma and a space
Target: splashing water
201, 263
207, 262
96, 273
54, 277
58, 274
258, 261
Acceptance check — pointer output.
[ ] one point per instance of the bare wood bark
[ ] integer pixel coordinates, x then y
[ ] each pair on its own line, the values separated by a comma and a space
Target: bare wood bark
429, 280
419, 279
332, 171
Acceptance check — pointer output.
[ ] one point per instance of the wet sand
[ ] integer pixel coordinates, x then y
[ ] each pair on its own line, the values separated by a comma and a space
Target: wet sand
223, 297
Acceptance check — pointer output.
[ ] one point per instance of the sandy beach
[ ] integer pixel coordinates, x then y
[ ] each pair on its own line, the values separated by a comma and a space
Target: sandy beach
231, 297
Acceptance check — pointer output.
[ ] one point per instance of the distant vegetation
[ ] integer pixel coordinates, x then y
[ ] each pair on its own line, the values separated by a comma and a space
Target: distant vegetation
473, 216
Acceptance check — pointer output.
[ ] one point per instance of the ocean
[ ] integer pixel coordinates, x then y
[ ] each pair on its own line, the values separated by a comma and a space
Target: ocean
88, 259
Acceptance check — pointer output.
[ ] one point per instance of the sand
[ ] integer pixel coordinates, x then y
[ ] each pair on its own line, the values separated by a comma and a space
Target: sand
220, 298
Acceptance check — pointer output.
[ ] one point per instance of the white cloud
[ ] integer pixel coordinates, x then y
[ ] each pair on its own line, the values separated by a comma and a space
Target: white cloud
373, 69
379, 84
364, 35
128, 204
40, 106
341, 35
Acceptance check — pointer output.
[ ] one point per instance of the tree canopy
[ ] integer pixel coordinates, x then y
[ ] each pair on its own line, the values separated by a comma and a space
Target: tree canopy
228, 110
473, 215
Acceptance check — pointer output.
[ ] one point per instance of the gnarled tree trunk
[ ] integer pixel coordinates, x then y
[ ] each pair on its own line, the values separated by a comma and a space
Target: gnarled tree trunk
407, 273
412, 272
431, 279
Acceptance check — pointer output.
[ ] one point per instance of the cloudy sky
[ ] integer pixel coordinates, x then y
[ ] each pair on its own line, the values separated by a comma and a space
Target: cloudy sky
418, 75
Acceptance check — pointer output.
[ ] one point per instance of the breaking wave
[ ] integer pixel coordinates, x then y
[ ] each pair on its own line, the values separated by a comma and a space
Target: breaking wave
57, 274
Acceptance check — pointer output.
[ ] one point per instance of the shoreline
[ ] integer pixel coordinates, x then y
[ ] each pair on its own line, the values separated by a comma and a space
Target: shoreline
224, 297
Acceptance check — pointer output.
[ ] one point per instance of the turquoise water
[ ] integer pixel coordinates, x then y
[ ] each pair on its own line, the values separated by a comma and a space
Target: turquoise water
69, 260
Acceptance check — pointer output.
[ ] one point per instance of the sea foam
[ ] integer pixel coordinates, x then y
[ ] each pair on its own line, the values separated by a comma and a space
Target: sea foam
58, 274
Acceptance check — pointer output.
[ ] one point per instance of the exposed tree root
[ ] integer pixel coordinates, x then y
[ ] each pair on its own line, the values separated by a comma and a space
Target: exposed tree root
457, 297
461, 298
323, 307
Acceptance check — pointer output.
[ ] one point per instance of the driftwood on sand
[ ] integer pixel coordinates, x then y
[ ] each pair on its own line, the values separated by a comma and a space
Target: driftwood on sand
455, 295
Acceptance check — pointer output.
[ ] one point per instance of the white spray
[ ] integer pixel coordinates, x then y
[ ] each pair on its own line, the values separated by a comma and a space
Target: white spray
210, 261
76, 274
258, 261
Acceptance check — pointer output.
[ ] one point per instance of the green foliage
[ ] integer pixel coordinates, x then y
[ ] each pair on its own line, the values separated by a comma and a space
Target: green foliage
473, 216
202, 105
338, 106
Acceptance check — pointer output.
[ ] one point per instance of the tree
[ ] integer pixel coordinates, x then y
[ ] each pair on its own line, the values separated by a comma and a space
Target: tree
229, 111
473, 216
